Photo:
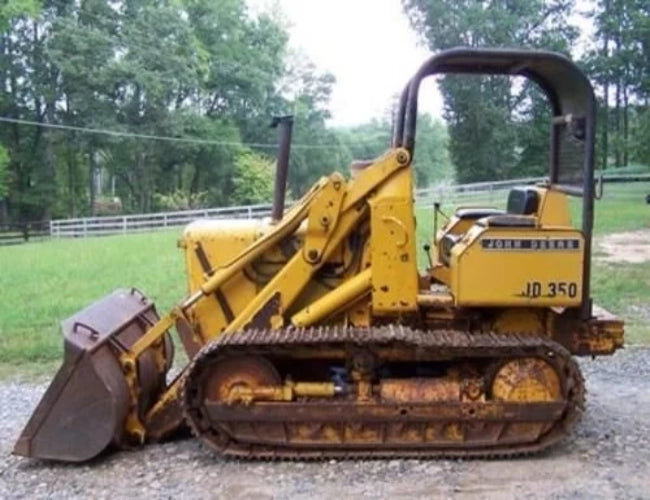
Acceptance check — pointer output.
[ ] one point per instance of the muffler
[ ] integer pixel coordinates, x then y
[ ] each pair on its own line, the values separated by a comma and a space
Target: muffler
84, 409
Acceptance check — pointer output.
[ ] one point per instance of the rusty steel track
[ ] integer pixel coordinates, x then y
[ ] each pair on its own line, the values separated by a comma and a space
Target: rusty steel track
256, 431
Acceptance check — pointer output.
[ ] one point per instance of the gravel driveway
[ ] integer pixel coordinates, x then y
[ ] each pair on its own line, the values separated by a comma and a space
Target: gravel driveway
609, 456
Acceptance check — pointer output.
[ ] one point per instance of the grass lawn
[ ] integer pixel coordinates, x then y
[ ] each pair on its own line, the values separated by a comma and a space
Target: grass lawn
43, 283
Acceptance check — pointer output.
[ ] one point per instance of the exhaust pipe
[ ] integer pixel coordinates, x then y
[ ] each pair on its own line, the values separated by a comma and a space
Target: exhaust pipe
284, 124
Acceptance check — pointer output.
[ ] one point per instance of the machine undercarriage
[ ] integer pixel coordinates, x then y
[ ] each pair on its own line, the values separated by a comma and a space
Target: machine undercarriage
381, 392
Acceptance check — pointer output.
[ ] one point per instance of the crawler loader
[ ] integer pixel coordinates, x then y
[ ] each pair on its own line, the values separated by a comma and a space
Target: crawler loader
314, 335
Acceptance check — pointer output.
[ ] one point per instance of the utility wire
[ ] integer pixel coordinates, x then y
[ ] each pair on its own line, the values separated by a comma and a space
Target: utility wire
191, 140
222, 66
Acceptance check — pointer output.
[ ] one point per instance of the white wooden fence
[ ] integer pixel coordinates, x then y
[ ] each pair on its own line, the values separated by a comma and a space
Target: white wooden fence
124, 224
479, 192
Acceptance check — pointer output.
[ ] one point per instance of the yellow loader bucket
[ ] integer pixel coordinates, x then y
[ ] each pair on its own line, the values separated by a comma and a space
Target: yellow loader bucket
84, 409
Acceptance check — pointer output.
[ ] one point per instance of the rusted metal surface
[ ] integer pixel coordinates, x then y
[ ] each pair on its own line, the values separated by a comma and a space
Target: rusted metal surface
420, 389
229, 374
262, 319
84, 409
602, 334
192, 343
407, 418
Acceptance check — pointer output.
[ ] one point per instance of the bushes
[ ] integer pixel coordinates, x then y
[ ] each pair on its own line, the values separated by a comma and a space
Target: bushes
253, 179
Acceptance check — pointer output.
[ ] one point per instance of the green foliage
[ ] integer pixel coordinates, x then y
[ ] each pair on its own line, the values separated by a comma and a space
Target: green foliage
307, 97
431, 160
640, 140
253, 179
196, 69
12, 9
178, 200
619, 64
495, 127
215, 72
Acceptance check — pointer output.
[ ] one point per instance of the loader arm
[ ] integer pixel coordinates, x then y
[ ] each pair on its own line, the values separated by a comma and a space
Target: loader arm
333, 209
140, 408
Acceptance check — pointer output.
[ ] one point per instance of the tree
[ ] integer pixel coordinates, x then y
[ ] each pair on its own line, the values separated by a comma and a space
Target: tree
316, 151
13, 9
195, 69
621, 61
482, 112
431, 160
253, 179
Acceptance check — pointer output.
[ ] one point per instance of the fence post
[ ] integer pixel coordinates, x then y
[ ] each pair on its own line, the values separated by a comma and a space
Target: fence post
250, 212
165, 220
85, 227
124, 224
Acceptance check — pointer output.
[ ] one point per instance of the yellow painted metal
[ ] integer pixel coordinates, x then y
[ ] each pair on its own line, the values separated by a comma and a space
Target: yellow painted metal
525, 266
553, 209
289, 224
440, 272
510, 277
527, 379
285, 227
420, 389
322, 207
317, 228
153, 334
455, 225
285, 286
313, 389
343, 295
345, 204
287, 392
392, 246
528, 320
376, 175
133, 425
171, 397
220, 240
323, 217
283, 289
435, 300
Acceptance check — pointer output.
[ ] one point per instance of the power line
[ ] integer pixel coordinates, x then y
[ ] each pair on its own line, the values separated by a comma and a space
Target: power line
222, 66
190, 140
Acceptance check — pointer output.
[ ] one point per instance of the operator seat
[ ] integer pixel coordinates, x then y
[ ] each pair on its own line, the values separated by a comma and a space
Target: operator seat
520, 212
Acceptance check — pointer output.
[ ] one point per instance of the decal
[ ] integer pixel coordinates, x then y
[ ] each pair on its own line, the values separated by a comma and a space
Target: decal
531, 244
552, 289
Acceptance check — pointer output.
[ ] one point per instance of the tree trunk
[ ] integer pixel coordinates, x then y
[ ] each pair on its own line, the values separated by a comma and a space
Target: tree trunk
606, 97
617, 117
626, 127
91, 179
72, 185
617, 124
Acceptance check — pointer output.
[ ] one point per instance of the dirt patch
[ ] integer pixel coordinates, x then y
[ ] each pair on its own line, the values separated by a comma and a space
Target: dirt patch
631, 247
